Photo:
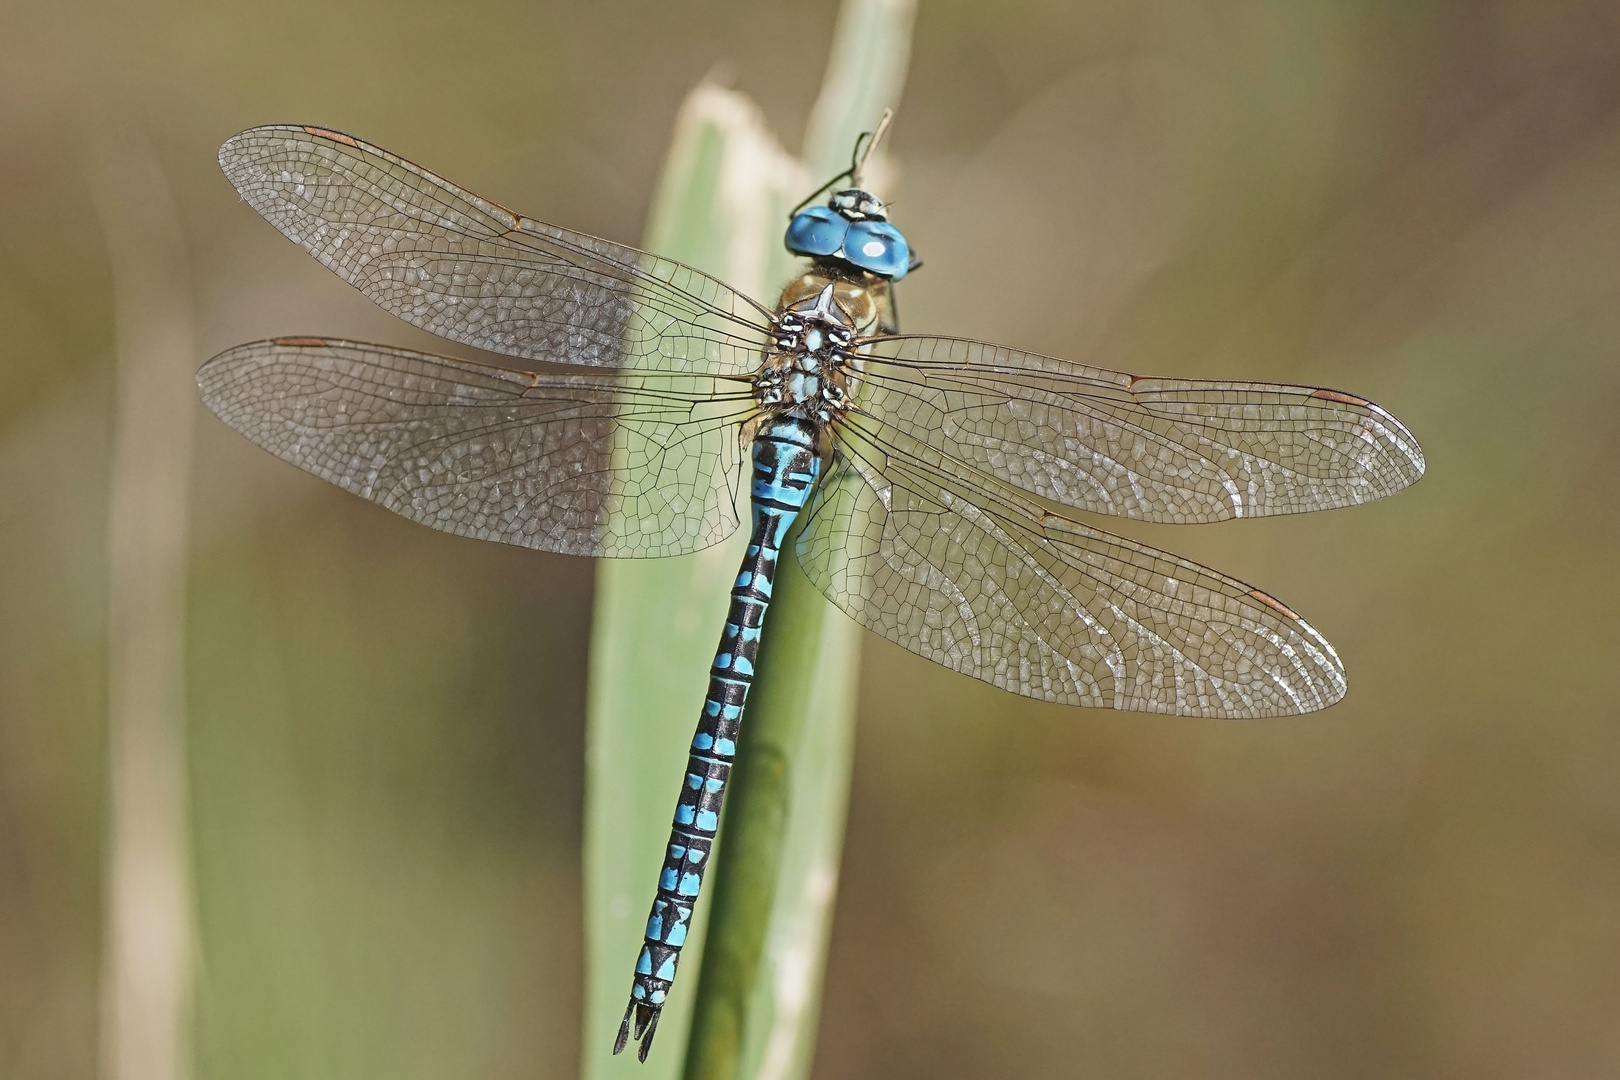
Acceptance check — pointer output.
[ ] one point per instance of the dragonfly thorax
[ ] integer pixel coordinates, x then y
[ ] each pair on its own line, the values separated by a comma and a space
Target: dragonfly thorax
808, 366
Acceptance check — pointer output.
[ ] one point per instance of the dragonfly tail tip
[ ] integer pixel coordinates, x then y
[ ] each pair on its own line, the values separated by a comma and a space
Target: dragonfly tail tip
645, 1024
624, 1030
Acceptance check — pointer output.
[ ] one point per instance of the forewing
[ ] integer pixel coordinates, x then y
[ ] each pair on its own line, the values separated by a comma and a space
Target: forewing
1167, 450
643, 465
963, 570
472, 271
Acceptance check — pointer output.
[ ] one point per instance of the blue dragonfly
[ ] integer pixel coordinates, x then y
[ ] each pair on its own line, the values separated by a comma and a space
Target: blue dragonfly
937, 479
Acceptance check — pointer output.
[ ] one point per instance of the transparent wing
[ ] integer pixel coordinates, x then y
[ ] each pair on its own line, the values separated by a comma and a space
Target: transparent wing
469, 270
642, 465
1169, 450
967, 572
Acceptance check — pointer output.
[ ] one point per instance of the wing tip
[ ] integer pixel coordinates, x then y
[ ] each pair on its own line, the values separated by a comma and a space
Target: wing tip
1326, 691
212, 377
1399, 437
1413, 450
217, 368
230, 151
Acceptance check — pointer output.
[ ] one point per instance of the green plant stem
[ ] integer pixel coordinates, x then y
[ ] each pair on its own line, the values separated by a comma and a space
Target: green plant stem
721, 206
771, 897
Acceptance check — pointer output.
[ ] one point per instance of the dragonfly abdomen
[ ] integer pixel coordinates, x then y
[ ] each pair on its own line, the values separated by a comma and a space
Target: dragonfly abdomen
785, 468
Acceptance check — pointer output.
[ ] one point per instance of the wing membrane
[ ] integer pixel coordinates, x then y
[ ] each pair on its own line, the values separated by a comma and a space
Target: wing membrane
471, 271
642, 465
1166, 450
968, 573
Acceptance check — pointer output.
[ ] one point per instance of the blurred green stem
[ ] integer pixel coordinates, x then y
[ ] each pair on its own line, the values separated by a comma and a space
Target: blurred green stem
771, 898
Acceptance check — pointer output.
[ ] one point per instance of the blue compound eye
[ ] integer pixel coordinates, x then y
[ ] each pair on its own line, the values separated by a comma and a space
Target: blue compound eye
816, 231
878, 246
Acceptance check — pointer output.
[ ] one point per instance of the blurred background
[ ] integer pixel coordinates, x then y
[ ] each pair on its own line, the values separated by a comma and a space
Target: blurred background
1418, 202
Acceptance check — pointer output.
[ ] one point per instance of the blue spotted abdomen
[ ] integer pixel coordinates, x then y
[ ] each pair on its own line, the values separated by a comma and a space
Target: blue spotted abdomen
785, 468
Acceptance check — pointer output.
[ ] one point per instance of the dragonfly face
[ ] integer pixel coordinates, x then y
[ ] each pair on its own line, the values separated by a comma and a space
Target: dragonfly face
941, 481
853, 228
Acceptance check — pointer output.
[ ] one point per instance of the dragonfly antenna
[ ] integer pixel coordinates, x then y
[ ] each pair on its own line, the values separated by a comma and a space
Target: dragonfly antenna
864, 147
857, 164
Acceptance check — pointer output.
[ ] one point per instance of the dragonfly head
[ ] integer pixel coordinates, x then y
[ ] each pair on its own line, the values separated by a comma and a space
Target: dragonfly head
854, 228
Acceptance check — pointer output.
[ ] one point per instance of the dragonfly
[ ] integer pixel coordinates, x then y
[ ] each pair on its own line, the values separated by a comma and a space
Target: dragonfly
938, 483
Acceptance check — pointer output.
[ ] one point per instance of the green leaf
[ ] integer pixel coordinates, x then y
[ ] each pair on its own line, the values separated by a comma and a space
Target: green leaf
721, 205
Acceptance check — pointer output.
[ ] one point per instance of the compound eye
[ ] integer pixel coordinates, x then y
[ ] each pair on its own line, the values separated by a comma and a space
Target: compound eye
878, 246
817, 230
